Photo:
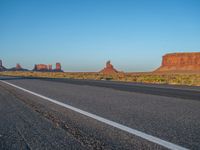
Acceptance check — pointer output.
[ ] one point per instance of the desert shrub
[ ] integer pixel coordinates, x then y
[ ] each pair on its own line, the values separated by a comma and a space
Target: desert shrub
180, 79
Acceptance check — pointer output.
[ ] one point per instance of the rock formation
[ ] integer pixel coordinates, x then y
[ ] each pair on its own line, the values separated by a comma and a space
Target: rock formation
58, 66
2, 68
18, 68
41, 67
109, 69
47, 68
180, 62
50, 67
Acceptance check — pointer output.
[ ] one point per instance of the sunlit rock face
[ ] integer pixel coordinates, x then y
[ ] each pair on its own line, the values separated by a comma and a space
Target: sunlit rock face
58, 66
47, 68
18, 67
109, 69
180, 62
41, 67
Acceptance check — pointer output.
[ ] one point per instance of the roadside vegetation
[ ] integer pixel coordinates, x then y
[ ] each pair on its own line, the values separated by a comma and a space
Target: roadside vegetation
190, 79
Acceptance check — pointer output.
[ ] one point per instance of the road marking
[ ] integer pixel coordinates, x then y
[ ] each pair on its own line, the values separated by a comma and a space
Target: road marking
135, 132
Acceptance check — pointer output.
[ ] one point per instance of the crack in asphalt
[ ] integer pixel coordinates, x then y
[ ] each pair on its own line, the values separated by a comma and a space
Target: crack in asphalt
79, 135
24, 139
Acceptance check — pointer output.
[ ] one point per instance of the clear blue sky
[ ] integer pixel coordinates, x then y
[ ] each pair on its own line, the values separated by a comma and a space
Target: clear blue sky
84, 34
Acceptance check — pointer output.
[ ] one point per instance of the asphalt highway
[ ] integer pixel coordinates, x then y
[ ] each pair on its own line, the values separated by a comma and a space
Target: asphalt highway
169, 113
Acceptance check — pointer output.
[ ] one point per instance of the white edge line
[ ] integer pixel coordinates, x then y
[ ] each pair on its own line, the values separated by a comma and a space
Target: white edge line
106, 121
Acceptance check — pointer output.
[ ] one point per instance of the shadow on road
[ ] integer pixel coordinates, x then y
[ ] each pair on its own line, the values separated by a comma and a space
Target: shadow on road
153, 90
16, 78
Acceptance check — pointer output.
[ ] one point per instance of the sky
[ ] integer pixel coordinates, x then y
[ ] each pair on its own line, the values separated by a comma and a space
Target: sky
83, 34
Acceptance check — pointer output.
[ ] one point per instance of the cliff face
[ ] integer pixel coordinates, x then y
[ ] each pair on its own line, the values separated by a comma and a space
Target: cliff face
180, 62
58, 67
47, 68
40, 67
109, 69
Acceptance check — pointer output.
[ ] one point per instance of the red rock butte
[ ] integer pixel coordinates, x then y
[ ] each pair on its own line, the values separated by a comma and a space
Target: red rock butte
180, 62
18, 66
41, 67
48, 68
58, 66
109, 69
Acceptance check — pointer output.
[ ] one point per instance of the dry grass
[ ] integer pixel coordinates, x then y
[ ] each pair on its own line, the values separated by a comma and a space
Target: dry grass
172, 78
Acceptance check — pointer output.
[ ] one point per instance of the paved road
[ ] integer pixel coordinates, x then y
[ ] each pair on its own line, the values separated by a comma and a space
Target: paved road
22, 128
170, 113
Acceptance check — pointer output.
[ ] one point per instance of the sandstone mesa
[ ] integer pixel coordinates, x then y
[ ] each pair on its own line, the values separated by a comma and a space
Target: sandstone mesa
47, 68
180, 62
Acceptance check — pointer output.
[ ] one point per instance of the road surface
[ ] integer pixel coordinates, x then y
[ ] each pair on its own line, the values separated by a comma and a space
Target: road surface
30, 120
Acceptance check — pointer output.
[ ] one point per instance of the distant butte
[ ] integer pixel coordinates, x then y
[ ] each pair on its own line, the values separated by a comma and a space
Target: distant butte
47, 68
58, 68
180, 62
41, 67
2, 68
18, 68
109, 69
